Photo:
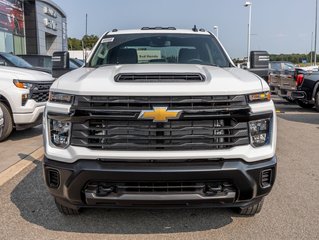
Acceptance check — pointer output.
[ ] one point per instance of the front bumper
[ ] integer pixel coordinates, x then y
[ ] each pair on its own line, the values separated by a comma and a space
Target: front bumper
26, 118
72, 182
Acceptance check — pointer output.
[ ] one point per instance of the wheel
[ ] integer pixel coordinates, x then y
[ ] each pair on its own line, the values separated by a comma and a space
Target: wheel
251, 210
65, 210
317, 101
305, 105
8, 122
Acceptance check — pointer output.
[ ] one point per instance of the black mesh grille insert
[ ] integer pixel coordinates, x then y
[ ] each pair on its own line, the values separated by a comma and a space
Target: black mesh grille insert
40, 91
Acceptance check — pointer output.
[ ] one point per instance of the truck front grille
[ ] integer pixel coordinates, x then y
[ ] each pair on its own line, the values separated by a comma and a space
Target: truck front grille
40, 91
207, 123
146, 135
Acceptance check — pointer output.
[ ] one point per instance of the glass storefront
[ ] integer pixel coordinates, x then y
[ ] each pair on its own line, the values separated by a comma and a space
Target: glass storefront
12, 27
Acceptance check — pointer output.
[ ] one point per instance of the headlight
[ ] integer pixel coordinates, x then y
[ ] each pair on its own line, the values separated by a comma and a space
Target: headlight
259, 132
259, 97
60, 98
22, 84
59, 133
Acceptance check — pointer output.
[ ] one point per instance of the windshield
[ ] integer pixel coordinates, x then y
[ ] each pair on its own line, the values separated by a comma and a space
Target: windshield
16, 61
159, 48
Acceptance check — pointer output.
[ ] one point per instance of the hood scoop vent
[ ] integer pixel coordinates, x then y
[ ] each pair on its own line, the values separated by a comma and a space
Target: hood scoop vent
159, 77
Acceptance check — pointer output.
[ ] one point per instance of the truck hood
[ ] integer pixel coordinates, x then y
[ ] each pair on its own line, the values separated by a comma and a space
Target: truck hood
100, 81
26, 74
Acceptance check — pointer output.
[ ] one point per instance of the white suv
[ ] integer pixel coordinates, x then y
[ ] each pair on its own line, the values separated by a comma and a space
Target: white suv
23, 94
159, 117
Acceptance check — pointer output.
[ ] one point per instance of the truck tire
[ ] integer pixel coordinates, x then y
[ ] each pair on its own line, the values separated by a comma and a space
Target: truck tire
305, 105
8, 122
251, 210
67, 211
317, 101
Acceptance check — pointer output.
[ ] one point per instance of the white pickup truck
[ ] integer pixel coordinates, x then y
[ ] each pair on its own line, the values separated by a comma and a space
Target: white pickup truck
159, 117
23, 94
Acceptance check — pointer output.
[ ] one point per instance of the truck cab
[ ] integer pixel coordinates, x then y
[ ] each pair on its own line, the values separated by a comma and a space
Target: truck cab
159, 117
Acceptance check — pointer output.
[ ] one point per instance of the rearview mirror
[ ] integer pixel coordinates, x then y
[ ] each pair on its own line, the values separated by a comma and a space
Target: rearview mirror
60, 64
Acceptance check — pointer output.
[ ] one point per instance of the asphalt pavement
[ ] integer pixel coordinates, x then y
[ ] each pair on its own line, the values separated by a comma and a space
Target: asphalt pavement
291, 211
19, 145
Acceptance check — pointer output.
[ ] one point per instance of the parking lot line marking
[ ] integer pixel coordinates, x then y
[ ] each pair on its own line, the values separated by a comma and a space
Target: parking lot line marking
15, 169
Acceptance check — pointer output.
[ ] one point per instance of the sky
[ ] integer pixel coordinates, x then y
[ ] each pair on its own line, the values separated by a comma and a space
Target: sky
278, 26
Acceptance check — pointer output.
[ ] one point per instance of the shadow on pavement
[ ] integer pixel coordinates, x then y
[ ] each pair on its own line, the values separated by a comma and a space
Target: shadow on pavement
301, 118
25, 134
37, 207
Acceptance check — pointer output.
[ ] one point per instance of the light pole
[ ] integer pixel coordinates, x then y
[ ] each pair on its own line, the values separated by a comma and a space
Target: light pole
86, 35
217, 31
248, 4
316, 33
311, 49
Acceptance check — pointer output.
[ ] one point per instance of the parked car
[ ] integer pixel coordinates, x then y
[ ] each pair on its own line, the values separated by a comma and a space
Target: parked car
23, 95
307, 91
10, 60
39, 61
159, 117
282, 79
45, 62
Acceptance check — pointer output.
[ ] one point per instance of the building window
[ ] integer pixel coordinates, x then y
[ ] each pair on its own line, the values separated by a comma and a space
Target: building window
9, 42
19, 45
2, 42
6, 42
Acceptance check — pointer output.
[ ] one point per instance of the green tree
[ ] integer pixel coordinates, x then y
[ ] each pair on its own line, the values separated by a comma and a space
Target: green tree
89, 41
74, 44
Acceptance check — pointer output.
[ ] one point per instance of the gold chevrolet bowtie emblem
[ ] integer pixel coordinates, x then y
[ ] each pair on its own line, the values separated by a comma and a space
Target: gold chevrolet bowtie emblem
160, 114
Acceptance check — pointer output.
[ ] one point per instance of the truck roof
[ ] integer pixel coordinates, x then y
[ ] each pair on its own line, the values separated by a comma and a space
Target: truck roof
158, 30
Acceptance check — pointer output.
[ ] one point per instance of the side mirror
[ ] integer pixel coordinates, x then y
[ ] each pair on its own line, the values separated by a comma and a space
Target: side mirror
60, 64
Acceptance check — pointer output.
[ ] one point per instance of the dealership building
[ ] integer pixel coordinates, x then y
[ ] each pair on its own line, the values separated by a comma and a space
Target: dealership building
32, 27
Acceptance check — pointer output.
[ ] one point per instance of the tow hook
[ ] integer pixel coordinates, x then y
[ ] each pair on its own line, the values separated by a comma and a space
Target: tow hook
103, 191
213, 189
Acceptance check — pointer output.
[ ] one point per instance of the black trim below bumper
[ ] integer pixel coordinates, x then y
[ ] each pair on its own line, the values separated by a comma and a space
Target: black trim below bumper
74, 178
